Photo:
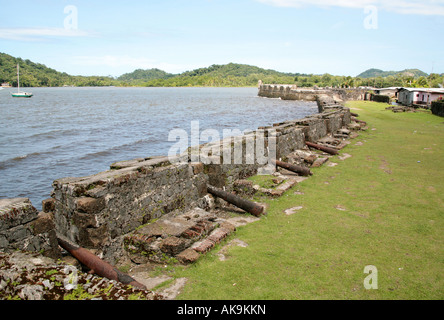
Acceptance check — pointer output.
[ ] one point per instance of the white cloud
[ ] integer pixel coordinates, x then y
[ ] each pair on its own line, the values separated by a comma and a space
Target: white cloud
419, 7
37, 34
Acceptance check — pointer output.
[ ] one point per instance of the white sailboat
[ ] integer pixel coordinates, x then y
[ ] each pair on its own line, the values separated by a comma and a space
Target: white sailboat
19, 94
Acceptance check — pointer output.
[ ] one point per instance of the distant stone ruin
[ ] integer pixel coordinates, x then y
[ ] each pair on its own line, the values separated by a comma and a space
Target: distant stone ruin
292, 92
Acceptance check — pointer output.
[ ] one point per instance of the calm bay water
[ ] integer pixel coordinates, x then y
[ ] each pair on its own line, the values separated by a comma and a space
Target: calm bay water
74, 132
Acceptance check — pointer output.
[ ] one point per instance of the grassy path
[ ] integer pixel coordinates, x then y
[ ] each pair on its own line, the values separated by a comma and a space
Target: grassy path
384, 206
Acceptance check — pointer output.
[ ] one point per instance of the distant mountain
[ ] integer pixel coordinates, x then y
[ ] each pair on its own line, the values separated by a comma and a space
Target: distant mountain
231, 74
375, 73
215, 70
234, 70
149, 74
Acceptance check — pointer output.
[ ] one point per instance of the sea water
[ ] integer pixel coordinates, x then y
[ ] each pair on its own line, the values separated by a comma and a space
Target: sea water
75, 132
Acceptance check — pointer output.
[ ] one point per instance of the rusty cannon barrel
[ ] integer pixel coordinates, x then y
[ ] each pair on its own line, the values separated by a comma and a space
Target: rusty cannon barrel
297, 169
97, 265
246, 205
322, 148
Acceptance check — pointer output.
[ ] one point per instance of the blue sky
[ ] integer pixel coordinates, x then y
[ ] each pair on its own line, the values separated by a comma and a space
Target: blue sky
342, 37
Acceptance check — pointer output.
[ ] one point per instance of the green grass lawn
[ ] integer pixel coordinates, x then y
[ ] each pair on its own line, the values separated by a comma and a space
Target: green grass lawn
384, 206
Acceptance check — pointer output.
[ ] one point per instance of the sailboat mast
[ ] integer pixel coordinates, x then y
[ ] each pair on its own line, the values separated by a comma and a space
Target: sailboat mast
18, 78
20, 94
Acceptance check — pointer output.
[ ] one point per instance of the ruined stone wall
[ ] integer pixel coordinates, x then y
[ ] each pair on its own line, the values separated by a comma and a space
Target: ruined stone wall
96, 210
22, 227
92, 211
291, 92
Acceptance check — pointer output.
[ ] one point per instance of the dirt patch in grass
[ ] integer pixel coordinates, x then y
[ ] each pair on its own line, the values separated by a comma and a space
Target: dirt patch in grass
385, 166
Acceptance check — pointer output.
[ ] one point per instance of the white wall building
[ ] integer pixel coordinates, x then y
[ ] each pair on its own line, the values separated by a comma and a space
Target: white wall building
421, 96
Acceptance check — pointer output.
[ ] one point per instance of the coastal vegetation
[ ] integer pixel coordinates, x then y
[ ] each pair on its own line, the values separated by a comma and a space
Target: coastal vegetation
229, 75
38, 75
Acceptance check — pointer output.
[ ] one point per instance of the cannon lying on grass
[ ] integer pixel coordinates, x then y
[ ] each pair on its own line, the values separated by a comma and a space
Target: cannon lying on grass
303, 171
246, 205
322, 148
97, 265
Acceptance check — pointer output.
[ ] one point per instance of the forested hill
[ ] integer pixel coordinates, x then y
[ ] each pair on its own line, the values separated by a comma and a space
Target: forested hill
146, 75
231, 74
374, 73
235, 70
38, 75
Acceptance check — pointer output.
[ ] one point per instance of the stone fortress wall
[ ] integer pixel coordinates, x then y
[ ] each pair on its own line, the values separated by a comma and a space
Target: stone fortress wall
291, 92
105, 211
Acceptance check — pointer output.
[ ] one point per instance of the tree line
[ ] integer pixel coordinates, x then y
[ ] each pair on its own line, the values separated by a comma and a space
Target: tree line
399, 80
230, 75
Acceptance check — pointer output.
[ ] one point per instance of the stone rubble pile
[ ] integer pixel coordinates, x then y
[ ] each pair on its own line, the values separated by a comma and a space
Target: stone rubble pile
397, 109
31, 276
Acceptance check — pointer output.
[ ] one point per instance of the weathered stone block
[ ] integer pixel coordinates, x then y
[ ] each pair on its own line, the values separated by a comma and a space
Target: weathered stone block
244, 187
334, 123
191, 234
96, 192
216, 176
172, 245
93, 237
203, 227
18, 233
188, 256
48, 205
15, 212
90, 205
198, 167
319, 162
346, 116
203, 246
138, 243
218, 235
318, 129
84, 220
23, 228
293, 139
228, 226
200, 185
44, 223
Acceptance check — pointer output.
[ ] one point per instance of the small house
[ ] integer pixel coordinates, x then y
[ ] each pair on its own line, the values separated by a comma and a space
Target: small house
419, 96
